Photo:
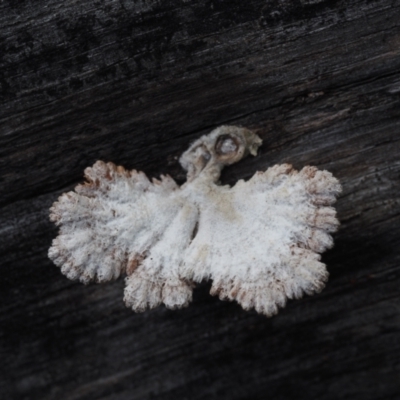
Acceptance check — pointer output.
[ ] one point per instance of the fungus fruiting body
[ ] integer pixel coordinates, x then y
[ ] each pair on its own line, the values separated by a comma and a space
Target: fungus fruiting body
258, 241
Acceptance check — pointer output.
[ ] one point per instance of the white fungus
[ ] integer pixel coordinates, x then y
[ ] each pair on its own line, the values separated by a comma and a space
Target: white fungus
258, 241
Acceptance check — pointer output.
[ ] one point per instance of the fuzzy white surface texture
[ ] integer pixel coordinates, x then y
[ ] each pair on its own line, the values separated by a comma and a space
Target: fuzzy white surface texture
258, 241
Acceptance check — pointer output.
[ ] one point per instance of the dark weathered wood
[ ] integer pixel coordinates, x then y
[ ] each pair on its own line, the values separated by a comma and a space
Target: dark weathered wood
134, 82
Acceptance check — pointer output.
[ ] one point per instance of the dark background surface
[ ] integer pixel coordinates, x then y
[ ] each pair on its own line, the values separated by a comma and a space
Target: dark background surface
134, 82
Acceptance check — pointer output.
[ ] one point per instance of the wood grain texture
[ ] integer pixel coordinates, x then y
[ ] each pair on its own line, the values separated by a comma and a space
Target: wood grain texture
134, 82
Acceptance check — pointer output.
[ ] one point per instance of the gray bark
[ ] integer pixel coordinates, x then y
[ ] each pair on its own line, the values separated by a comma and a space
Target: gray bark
134, 82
